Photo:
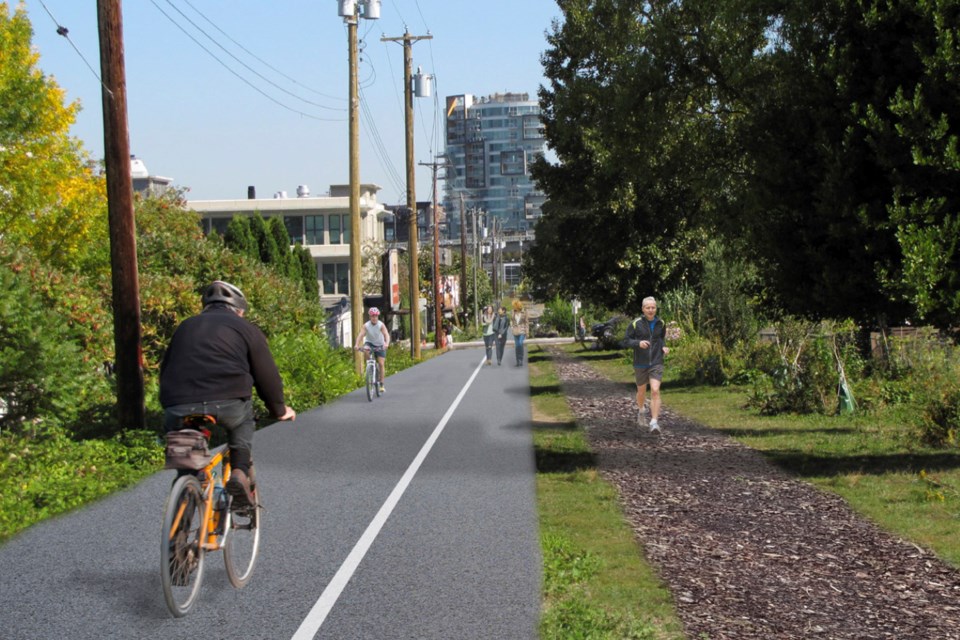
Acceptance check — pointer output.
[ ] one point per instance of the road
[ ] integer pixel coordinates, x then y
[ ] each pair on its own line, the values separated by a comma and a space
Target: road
410, 517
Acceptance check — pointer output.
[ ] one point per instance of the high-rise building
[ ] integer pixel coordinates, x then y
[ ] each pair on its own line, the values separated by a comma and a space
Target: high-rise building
490, 144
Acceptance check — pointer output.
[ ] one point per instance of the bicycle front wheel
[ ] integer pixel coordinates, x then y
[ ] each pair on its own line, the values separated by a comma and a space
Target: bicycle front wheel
181, 551
242, 543
371, 381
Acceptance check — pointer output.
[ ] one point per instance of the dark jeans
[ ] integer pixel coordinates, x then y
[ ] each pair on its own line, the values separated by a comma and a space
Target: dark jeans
236, 416
501, 343
488, 341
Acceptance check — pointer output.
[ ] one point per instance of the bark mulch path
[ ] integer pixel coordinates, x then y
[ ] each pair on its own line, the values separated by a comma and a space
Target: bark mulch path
747, 550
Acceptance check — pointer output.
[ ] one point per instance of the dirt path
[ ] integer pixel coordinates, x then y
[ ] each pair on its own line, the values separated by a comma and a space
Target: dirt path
747, 550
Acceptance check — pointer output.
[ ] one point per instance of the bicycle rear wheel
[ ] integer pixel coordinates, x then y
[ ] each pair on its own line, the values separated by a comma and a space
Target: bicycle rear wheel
242, 543
181, 551
371, 381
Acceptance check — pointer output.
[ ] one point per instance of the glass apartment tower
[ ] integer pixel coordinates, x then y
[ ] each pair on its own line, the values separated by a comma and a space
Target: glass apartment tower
490, 144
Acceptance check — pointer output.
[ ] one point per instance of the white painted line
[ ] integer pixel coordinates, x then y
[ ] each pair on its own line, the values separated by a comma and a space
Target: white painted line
311, 624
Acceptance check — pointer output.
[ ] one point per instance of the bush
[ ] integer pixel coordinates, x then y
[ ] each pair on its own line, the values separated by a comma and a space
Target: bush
44, 376
313, 372
699, 360
557, 316
50, 473
941, 419
805, 377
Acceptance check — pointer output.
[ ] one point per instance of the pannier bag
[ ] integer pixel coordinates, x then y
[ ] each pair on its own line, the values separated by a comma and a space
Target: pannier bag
187, 449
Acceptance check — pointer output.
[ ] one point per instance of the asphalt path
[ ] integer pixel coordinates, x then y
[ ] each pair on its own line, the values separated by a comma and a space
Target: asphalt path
412, 516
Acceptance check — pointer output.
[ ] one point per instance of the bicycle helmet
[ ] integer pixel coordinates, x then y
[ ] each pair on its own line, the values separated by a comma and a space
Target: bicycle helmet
374, 311
220, 291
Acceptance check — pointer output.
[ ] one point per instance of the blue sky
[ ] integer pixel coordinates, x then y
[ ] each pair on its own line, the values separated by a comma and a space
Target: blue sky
194, 120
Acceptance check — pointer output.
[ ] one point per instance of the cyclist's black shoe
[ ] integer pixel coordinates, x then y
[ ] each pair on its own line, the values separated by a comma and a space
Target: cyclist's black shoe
238, 486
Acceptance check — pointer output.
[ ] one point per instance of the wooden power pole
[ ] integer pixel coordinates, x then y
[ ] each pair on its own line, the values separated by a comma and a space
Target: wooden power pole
463, 257
413, 245
123, 237
437, 283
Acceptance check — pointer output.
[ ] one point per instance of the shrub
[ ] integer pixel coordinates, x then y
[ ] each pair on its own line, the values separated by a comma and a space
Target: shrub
313, 372
805, 377
941, 419
43, 374
700, 360
557, 316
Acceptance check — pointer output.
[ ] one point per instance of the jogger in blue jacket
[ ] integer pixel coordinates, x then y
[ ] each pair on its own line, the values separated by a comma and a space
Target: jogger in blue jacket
647, 336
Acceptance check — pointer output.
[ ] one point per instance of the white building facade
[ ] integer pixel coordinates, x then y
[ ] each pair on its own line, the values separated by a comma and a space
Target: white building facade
320, 224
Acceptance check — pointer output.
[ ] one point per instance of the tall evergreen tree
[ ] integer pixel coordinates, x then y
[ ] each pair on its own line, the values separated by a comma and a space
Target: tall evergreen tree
240, 238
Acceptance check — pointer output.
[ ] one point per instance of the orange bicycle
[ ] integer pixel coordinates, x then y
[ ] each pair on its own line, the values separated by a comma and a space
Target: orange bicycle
200, 516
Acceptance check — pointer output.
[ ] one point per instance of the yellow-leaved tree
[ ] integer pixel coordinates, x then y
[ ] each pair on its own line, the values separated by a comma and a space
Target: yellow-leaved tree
51, 199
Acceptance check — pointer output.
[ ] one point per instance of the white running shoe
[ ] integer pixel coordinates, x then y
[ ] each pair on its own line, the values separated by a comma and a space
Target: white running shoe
654, 426
641, 418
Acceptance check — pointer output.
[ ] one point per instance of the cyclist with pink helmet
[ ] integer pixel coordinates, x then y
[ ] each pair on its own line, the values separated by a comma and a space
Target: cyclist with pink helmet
374, 335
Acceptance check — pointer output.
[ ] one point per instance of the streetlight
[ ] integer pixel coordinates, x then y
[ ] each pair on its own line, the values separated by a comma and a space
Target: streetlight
350, 11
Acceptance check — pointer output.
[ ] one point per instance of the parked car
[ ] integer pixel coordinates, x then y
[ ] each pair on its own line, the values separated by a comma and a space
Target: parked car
610, 334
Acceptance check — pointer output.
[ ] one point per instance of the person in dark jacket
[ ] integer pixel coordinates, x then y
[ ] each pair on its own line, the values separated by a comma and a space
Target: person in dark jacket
647, 336
213, 362
501, 324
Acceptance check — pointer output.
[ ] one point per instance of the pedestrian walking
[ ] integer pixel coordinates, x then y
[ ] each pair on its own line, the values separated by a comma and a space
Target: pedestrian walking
489, 335
647, 336
501, 324
519, 327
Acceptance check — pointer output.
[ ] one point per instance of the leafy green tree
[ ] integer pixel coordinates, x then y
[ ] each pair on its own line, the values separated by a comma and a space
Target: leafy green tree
819, 133
484, 286
914, 129
640, 154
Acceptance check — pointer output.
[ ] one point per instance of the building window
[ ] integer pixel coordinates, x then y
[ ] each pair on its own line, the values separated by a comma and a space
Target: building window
314, 226
513, 162
294, 225
345, 229
334, 229
336, 279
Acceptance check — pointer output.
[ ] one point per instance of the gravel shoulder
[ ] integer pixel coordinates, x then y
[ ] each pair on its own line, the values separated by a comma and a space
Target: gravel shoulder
748, 550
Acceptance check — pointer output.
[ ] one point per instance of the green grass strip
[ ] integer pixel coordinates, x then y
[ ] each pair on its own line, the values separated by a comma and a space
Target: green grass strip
597, 584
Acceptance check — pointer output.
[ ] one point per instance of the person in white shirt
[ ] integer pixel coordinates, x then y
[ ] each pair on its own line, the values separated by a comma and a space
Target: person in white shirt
374, 335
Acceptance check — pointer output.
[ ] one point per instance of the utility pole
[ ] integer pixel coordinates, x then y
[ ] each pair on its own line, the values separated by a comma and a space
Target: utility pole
413, 248
493, 260
349, 10
476, 265
123, 236
463, 253
437, 288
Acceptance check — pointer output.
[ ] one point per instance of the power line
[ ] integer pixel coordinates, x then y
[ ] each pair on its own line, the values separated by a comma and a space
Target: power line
257, 58
241, 78
63, 31
374, 133
241, 62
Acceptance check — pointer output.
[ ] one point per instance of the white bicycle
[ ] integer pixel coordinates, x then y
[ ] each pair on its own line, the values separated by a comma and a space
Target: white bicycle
371, 374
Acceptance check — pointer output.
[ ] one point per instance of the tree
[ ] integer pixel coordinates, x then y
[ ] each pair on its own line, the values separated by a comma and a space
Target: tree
914, 132
50, 199
239, 237
819, 136
642, 160
307, 272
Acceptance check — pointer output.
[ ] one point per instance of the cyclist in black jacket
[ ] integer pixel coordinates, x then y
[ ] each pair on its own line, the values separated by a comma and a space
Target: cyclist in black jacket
211, 366
647, 336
